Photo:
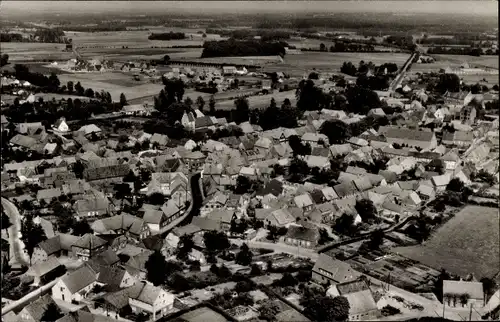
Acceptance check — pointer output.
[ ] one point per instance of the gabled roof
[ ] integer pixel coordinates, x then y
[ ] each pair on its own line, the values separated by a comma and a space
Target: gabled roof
340, 149
147, 293
106, 258
329, 193
79, 279
152, 216
111, 275
43, 267
89, 241
345, 189
37, 308
341, 271
406, 133
441, 180
361, 302
303, 200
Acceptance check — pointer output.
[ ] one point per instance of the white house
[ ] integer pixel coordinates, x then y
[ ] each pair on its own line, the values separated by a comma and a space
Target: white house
75, 286
151, 299
60, 125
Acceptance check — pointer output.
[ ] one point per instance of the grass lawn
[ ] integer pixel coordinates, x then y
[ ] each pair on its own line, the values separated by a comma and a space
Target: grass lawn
467, 243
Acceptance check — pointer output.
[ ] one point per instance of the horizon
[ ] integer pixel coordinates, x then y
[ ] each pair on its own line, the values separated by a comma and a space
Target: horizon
445, 7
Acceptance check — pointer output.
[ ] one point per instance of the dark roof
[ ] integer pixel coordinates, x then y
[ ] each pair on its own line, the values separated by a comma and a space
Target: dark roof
408, 134
341, 271
106, 258
37, 308
111, 275
317, 196
389, 176
112, 171
89, 241
345, 189
204, 121
319, 151
79, 279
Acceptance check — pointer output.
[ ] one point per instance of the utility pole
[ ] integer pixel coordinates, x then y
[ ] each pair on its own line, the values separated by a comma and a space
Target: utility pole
470, 312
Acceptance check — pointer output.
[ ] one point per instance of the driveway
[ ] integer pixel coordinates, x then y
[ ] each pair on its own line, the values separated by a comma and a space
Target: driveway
18, 256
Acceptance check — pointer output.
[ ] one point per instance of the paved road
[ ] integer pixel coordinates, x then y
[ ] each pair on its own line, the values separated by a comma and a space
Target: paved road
18, 256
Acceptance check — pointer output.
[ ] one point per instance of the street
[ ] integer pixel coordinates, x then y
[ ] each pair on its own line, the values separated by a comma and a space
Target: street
18, 256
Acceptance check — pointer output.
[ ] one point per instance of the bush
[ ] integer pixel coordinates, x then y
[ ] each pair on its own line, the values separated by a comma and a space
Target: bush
389, 310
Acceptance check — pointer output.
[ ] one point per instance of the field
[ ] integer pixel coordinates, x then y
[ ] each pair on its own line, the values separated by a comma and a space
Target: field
467, 243
115, 83
298, 65
260, 102
482, 61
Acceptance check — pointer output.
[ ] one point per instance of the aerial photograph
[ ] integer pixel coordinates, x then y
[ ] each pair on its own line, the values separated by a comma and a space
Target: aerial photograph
274, 161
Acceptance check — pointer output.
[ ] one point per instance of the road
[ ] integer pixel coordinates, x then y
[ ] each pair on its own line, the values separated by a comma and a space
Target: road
18, 256
401, 74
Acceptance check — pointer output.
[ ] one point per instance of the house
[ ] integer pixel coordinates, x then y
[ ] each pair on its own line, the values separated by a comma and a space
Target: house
88, 246
304, 202
426, 192
150, 299
460, 139
194, 160
33, 312
462, 293
106, 258
229, 70
307, 237
123, 224
279, 218
115, 277
92, 206
25, 142
362, 305
60, 245
217, 201
159, 140
75, 286
222, 217
451, 159
317, 161
440, 182
46, 271
332, 271
89, 130
345, 189
61, 126
468, 114
48, 194
106, 172
155, 219
315, 139
413, 138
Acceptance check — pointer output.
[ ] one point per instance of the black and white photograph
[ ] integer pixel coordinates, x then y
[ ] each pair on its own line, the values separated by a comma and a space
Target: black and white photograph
249, 161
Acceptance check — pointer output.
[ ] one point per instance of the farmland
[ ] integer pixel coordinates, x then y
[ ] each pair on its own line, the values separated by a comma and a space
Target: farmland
467, 243
260, 102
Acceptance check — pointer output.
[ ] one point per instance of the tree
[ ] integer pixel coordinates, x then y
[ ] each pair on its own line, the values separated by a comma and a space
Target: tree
4, 60
269, 310
366, 209
376, 239
32, 235
70, 87
216, 241
211, 105
243, 185
81, 227
89, 92
242, 110
456, 185
287, 280
244, 286
244, 256
200, 102
448, 82
156, 266
489, 286
188, 102
52, 313
325, 308
123, 100
185, 246
156, 198
6, 222
122, 190
78, 169
130, 176
337, 131
256, 270
54, 82
166, 59
345, 225
322, 47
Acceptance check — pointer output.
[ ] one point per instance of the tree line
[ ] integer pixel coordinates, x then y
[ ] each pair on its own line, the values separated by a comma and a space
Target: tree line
265, 34
470, 51
167, 36
236, 48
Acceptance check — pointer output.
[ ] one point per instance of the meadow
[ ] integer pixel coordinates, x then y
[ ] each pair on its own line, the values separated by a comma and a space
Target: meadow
467, 243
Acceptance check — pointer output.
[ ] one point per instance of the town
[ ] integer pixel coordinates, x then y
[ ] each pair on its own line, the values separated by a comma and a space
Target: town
170, 167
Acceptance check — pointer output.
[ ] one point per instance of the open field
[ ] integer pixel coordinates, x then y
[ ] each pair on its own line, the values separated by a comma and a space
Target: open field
261, 101
115, 83
467, 243
482, 61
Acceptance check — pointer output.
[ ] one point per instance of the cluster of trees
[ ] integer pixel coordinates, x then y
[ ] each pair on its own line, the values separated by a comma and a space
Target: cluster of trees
456, 51
50, 35
448, 82
169, 102
44, 35
343, 46
265, 34
274, 116
101, 27
167, 36
446, 41
4, 60
321, 307
232, 47
23, 73
400, 41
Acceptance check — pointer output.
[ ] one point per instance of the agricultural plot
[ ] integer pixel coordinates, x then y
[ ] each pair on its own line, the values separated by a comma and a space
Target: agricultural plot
482, 61
261, 101
297, 65
467, 243
34, 51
